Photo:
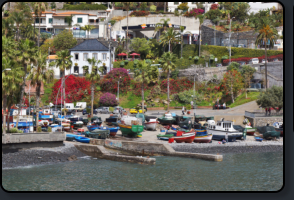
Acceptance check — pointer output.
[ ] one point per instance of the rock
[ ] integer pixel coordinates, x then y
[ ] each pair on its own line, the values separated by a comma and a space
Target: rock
72, 158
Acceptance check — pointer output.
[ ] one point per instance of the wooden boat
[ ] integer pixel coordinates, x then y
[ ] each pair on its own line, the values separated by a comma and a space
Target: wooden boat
92, 127
268, 132
70, 137
151, 125
148, 118
167, 119
258, 139
96, 120
85, 121
250, 130
78, 124
168, 134
112, 130
131, 130
185, 122
187, 138
279, 127
202, 137
98, 134
219, 130
112, 119
141, 117
82, 139
75, 118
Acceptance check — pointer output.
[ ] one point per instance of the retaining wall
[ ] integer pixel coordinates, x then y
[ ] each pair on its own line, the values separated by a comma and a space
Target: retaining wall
263, 121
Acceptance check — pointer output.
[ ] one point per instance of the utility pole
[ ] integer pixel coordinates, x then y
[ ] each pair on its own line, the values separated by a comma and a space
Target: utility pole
230, 36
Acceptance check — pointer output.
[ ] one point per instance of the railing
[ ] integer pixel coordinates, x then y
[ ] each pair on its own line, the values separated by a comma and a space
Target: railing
263, 114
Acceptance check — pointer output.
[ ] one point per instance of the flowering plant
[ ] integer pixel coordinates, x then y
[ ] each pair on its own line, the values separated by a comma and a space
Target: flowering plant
139, 13
194, 12
108, 99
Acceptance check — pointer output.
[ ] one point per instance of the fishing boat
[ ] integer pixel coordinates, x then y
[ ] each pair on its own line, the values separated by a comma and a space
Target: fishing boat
279, 127
168, 134
98, 133
96, 120
258, 139
78, 124
202, 137
268, 132
167, 119
43, 123
112, 130
92, 127
74, 118
131, 130
184, 137
151, 124
70, 137
219, 130
82, 139
66, 126
250, 130
148, 118
185, 122
112, 119
141, 117
85, 121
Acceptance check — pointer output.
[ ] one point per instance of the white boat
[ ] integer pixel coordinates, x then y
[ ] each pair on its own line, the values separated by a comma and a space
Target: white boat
43, 123
277, 124
127, 120
219, 130
151, 125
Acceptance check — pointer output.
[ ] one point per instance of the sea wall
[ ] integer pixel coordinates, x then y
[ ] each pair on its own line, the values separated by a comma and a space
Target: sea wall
263, 121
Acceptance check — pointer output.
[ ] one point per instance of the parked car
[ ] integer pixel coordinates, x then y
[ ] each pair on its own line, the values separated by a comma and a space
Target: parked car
99, 110
263, 61
253, 61
105, 110
134, 111
241, 63
275, 59
117, 110
219, 65
94, 112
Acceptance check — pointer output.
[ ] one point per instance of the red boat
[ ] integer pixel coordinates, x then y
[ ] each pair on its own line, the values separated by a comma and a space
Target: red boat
186, 137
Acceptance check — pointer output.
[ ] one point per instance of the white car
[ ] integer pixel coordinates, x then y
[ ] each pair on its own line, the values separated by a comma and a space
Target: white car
253, 61
263, 61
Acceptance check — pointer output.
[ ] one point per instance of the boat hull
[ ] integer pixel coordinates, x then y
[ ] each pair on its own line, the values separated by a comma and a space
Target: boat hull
127, 130
186, 139
166, 121
203, 139
151, 125
82, 139
220, 135
279, 130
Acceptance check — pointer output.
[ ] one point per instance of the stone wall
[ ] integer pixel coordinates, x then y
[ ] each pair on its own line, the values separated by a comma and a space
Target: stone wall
263, 121
202, 73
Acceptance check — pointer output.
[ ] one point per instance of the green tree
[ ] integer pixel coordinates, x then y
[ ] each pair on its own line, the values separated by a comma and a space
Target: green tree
145, 74
169, 37
161, 25
38, 8
88, 28
39, 73
233, 66
168, 60
247, 72
45, 36
10, 84
25, 56
93, 77
53, 5
64, 41
18, 18
45, 46
266, 33
143, 6
69, 20
233, 83
240, 10
7, 25
141, 45
272, 97
201, 19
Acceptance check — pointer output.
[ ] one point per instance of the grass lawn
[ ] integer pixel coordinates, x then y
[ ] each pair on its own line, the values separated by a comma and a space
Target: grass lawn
251, 96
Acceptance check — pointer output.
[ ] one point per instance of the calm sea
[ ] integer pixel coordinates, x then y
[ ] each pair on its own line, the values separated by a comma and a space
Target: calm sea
237, 172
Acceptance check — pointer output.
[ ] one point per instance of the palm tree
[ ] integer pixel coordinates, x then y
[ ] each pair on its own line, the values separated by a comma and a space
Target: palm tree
145, 74
169, 60
85, 69
8, 47
18, 18
30, 32
39, 73
88, 28
170, 36
63, 62
127, 5
10, 83
38, 8
26, 55
69, 20
266, 32
7, 23
93, 77
159, 26
201, 19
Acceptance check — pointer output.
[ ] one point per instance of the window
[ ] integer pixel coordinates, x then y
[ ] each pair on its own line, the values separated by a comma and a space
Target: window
176, 3
76, 56
85, 56
37, 20
104, 56
80, 20
50, 20
95, 56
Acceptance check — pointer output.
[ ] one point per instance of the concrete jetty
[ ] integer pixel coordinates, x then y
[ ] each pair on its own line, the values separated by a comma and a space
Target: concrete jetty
98, 151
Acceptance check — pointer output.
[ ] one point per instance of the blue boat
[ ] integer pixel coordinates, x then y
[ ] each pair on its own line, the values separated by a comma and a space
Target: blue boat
112, 131
258, 139
82, 139
70, 137
92, 127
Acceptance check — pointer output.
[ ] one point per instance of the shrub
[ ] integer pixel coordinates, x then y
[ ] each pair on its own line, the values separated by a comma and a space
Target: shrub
108, 99
110, 81
183, 6
214, 6
139, 13
13, 130
188, 106
194, 12
153, 8
111, 109
212, 14
186, 96
84, 7
196, 58
143, 6
176, 86
88, 110
49, 129
39, 129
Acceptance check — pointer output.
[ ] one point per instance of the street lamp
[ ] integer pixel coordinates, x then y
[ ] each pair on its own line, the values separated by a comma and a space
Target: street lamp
230, 37
7, 69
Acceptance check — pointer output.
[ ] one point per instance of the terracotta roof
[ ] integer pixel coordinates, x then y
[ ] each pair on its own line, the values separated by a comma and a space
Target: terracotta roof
52, 57
71, 13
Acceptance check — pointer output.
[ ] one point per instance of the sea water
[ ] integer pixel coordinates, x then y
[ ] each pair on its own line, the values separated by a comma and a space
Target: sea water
237, 172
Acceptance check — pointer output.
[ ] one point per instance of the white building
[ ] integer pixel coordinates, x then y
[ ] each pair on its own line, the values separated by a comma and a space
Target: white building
57, 73
257, 6
55, 23
174, 5
91, 48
